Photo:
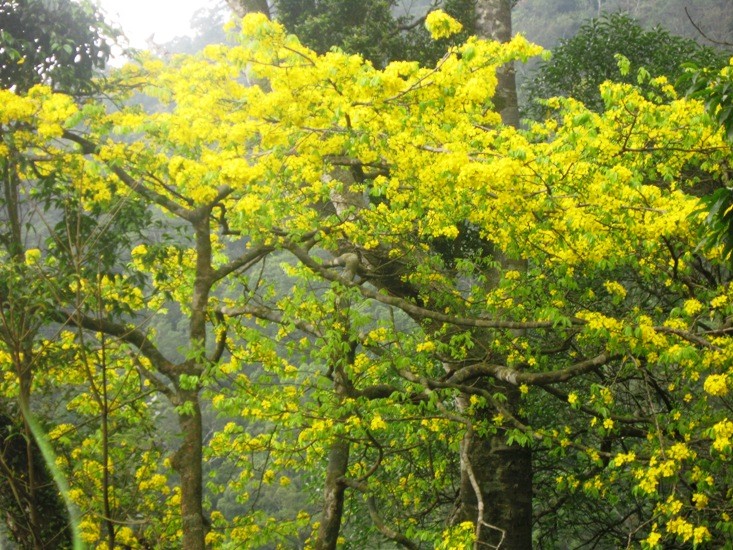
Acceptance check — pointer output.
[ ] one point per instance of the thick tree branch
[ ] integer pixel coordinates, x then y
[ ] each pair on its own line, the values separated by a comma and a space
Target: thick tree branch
516, 377
150, 376
91, 148
412, 309
689, 336
377, 391
126, 333
221, 338
243, 262
385, 529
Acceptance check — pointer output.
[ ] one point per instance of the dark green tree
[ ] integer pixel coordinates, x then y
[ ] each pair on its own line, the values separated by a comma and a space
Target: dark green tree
582, 63
379, 30
57, 42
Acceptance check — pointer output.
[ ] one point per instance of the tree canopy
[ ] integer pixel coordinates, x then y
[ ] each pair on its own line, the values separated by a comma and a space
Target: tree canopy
332, 349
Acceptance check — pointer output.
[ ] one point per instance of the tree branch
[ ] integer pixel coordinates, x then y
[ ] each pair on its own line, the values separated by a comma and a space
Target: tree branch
702, 33
126, 333
91, 148
221, 339
245, 261
515, 377
267, 314
379, 523
690, 337
415, 310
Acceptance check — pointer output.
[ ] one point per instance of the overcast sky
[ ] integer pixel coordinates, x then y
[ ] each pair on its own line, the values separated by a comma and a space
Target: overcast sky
141, 18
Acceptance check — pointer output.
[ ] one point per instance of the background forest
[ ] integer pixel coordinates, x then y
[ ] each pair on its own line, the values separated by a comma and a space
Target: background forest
364, 288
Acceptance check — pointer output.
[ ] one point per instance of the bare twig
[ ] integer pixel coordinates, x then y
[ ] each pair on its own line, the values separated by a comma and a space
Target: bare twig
703, 34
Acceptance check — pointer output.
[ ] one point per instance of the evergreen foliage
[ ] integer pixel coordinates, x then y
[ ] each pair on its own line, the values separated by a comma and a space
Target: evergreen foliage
370, 28
60, 42
579, 65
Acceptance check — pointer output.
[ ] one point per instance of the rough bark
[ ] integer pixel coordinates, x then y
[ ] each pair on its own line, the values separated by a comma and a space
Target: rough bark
496, 478
333, 495
187, 462
496, 486
334, 490
188, 459
494, 21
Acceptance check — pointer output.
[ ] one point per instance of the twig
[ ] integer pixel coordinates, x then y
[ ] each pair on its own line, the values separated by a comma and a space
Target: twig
702, 33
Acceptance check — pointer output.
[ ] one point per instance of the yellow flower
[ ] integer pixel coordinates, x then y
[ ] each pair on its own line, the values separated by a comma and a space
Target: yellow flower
622, 459
32, 256
653, 539
572, 398
701, 534
139, 250
700, 500
615, 288
256, 25
692, 307
719, 301
722, 431
608, 424
425, 346
607, 396
716, 384
377, 423
441, 25
681, 527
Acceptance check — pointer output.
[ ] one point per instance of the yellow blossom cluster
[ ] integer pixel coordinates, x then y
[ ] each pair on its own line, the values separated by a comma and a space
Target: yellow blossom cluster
686, 530
722, 432
716, 384
662, 465
441, 25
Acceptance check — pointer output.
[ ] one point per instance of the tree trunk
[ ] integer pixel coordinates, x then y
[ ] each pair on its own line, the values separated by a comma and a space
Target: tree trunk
333, 495
494, 22
187, 462
188, 459
334, 491
496, 486
493, 474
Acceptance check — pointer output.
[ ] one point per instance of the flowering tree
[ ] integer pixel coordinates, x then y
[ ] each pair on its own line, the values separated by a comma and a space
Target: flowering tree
384, 283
